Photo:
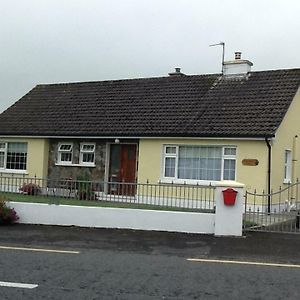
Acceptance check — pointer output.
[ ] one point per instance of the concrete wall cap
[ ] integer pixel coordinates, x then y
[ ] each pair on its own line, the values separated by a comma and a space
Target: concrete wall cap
229, 184
238, 62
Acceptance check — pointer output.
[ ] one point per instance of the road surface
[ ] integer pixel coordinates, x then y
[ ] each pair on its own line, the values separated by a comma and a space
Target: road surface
48, 262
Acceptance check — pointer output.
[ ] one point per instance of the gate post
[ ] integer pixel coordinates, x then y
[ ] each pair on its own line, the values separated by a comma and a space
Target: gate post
229, 217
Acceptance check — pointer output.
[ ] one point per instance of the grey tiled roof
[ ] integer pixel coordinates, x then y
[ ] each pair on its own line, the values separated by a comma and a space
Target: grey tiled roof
183, 106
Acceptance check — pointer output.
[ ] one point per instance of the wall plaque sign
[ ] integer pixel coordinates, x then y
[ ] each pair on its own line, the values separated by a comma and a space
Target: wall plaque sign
250, 162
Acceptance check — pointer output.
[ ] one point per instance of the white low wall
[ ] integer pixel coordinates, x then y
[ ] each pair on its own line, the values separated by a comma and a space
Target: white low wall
104, 217
227, 221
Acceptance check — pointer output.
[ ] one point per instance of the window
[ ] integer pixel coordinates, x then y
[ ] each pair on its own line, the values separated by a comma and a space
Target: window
65, 153
13, 156
210, 163
2, 155
229, 158
87, 154
170, 161
287, 166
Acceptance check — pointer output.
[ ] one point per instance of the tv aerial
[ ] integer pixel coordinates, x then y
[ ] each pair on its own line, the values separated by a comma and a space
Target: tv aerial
223, 54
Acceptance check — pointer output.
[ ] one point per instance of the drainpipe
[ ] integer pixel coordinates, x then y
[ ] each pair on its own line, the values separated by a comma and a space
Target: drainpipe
294, 162
269, 174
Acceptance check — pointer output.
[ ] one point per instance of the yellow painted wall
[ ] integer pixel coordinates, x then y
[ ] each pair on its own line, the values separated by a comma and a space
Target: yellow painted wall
151, 159
37, 156
285, 139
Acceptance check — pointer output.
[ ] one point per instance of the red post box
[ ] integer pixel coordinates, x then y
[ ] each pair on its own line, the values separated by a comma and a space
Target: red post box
229, 196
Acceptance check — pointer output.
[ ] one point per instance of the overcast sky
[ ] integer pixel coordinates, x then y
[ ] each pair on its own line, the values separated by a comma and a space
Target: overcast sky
47, 41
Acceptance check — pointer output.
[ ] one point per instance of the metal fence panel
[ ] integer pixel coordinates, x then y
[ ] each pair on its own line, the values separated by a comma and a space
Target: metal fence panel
182, 196
276, 211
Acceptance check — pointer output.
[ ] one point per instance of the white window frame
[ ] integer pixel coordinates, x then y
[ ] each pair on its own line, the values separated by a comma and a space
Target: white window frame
81, 162
4, 150
287, 177
59, 153
175, 179
170, 155
228, 157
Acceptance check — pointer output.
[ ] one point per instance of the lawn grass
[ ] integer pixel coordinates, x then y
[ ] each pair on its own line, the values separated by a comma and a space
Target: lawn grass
92, 203
247, 224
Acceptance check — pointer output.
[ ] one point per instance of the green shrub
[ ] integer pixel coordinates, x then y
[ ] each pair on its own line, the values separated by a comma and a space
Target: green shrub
8, 215
85, 188
30, 189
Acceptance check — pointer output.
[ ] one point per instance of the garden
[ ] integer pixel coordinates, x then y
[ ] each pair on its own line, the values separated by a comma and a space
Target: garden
8, 216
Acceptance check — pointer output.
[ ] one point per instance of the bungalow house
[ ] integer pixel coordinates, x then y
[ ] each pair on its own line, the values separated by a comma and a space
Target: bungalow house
239, 125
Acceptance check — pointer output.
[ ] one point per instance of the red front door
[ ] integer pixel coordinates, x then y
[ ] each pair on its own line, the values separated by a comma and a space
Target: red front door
122, 169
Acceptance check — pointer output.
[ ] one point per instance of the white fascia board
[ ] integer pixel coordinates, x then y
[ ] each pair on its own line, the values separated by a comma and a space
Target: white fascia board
136, 137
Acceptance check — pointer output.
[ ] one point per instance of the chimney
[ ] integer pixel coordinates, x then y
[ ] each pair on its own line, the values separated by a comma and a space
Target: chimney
237, 67
176, 73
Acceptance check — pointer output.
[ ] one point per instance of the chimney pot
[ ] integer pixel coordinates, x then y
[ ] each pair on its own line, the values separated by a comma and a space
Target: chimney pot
238, 55
177, 72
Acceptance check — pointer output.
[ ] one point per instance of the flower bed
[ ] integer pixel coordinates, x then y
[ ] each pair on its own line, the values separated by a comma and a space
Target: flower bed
8, 216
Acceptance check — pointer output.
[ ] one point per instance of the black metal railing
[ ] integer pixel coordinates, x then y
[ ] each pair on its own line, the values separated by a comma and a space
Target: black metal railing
146, 195
274, 211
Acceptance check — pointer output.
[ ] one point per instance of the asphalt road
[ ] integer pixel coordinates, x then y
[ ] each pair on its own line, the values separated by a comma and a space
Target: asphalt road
119, 264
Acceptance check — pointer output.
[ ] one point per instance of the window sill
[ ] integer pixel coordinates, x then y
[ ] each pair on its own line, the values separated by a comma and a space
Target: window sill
286, 181
75, 165
189, 182
6, 171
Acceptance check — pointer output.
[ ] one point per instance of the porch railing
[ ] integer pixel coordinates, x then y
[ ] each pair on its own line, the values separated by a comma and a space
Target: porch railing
182, 196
